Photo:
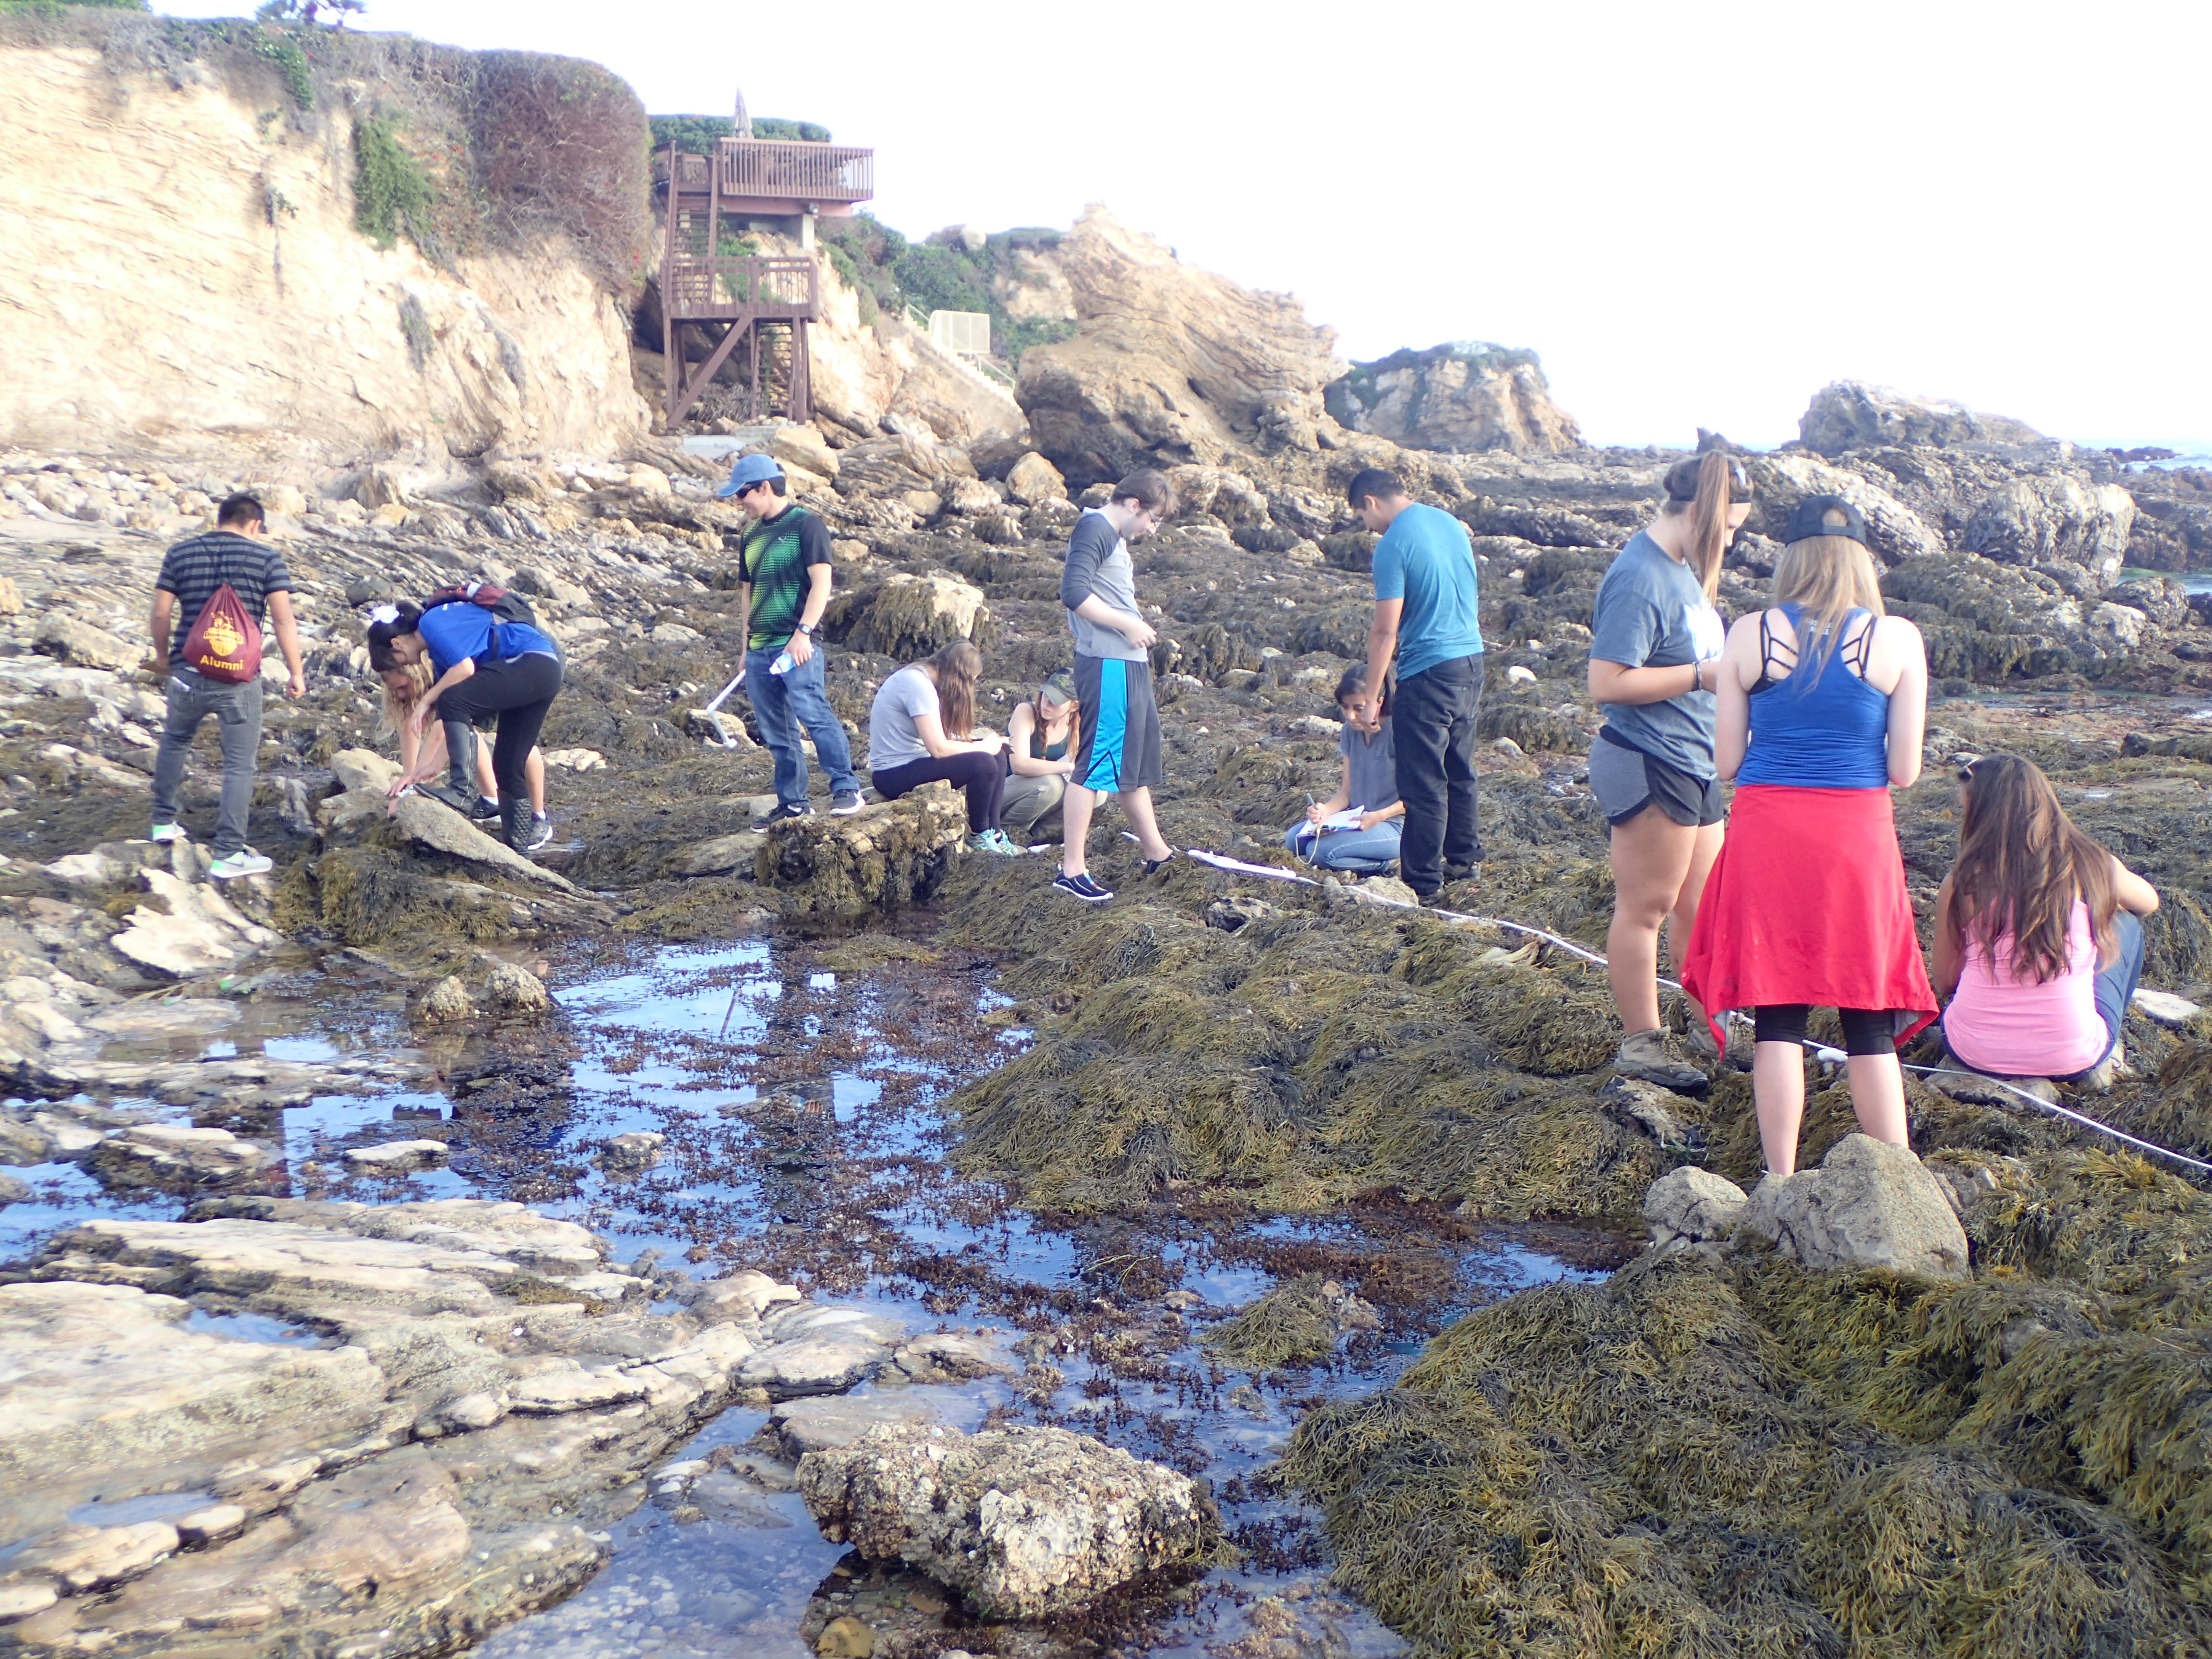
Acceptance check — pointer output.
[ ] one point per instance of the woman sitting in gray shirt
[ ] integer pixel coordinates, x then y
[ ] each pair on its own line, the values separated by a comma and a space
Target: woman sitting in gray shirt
1370, 787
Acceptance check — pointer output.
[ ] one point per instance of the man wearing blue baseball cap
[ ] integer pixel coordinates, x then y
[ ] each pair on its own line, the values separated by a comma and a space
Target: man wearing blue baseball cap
783, 585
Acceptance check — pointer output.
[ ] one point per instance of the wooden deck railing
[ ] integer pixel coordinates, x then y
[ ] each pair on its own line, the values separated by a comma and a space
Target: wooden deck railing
699, 288
783, 171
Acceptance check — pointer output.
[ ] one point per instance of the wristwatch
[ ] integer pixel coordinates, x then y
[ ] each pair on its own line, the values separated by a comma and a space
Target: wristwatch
806, 629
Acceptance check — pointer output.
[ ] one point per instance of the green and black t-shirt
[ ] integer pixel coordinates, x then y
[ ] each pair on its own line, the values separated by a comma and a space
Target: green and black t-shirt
776, 558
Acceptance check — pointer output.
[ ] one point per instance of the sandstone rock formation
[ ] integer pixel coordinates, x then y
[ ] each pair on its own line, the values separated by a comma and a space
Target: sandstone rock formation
1848, 415
1869, 1205
1171, 364
1461, 397
201, 287
1026, 1522
487, 1393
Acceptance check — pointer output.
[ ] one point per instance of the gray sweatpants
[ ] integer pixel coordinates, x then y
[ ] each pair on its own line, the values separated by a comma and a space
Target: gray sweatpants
191, 700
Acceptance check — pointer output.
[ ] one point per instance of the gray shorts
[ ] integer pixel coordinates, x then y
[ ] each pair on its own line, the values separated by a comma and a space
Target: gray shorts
1626, 780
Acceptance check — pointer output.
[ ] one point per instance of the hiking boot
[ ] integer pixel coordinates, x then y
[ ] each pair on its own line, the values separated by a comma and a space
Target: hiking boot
1081, 887
845, 803
801, 809
244, 862
166, 833
445, 794
541, 831
485, 808
991, 842
1644, 1055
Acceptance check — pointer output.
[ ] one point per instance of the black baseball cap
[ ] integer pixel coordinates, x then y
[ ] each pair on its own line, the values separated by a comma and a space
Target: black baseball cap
1809, 518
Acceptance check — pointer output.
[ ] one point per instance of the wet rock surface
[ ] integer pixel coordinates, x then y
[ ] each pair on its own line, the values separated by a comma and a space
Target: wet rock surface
1025, 1521
483, 1391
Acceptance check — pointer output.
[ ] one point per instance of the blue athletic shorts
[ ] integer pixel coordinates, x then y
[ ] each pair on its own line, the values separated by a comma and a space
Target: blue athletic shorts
1118, 726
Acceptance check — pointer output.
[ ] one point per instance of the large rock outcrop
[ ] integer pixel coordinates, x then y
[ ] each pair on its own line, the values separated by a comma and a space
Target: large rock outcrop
2053, 518
1849, 414
1462, 397
1781, 481
1171, 364
188, 279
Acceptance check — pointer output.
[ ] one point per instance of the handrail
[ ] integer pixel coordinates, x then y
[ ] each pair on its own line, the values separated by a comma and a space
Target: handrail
774, 168
692, 285
795, 171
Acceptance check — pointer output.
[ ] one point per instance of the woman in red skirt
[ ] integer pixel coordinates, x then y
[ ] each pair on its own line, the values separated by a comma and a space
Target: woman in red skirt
1822, 701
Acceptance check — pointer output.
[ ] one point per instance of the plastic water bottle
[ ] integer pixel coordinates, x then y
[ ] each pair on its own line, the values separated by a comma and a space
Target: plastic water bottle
783, 663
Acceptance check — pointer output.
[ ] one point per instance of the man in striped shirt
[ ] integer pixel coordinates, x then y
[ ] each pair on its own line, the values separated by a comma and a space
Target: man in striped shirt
235, 553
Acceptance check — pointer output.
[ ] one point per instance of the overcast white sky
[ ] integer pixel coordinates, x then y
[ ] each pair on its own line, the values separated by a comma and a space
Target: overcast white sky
1697, 213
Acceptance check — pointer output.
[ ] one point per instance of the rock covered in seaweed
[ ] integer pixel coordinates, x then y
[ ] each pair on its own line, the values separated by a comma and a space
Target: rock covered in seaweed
1026, 1523
889, 854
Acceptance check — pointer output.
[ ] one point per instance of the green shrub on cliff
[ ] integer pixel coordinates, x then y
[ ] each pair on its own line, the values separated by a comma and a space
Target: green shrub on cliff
392, 193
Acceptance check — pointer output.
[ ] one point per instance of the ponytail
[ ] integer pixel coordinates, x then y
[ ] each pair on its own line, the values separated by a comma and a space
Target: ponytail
1705, 487
391, 622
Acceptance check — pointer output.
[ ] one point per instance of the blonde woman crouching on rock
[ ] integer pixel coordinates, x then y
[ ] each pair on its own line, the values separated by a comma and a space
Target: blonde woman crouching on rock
404, 686
1655, 644
1040, 743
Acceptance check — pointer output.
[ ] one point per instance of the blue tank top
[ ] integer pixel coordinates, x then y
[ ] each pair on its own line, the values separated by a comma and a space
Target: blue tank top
1830, 734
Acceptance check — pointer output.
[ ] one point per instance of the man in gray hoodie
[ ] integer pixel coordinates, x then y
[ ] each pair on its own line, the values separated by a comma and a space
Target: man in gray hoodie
1117, 747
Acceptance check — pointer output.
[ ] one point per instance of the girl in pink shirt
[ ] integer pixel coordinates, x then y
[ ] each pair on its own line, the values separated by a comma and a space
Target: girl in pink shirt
2038, 940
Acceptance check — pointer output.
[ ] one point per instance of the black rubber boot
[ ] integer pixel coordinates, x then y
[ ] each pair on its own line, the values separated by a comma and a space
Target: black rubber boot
514, 821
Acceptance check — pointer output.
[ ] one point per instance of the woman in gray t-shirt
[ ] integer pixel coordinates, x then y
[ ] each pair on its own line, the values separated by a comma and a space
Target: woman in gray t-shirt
1370, 847
1655, 644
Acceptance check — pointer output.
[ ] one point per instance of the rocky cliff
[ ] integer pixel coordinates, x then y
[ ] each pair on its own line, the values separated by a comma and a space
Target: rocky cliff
1170, 364
177, 203
1464, 396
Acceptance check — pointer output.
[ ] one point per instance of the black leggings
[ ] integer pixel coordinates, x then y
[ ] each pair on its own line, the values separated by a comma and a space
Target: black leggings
983, 776
519, 691
1866, 1030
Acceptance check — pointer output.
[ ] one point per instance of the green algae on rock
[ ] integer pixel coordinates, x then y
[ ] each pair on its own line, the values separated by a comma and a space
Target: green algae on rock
1734, 1457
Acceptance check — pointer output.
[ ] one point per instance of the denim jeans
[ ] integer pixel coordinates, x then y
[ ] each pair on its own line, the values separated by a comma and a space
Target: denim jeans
1432, 720
783, 704
2117, 983
238, 708
1355, 851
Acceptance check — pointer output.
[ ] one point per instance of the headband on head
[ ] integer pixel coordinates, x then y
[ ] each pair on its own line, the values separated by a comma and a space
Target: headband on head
386, 612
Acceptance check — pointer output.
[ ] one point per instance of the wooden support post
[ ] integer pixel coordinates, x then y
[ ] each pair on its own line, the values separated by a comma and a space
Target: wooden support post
697, 385
802, 374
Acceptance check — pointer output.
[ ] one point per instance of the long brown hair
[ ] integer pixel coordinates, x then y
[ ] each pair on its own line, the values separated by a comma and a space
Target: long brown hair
1705, 487
1827, 577
954, 667
2022, 865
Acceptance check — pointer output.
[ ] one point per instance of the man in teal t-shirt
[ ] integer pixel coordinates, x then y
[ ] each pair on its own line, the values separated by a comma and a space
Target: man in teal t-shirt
1425, 616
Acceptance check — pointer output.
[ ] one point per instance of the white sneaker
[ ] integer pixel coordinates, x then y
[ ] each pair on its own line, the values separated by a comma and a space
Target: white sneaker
166, 833
244, 862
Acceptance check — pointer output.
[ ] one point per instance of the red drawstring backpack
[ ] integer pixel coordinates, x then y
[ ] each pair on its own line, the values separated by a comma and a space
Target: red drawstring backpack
225, 641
